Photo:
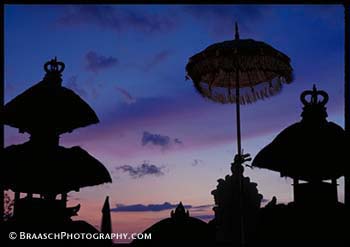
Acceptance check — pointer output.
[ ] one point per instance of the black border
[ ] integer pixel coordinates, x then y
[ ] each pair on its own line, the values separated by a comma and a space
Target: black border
124, 2
187, 2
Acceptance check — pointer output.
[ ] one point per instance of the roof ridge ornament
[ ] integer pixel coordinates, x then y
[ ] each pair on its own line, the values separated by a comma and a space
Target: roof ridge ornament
54, 66
180, 212
314, 109
314, 93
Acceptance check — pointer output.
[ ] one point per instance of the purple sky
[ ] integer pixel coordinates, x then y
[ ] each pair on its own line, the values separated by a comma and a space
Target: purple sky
161, 141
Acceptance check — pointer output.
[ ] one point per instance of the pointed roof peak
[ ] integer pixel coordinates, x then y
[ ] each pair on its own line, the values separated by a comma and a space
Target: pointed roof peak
106, 207
236, 31
180, 212
106, 224
180, 208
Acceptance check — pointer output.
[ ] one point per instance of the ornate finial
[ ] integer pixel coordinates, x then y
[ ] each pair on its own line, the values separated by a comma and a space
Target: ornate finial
180, 212
54, 66
314, 93
237, 167
314, 109
236, 31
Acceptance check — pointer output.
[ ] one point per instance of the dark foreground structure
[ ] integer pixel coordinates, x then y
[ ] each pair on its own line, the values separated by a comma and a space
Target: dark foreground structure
311, 152
40, 172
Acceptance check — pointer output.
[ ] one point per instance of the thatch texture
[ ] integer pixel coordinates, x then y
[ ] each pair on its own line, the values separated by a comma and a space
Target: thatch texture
261, 70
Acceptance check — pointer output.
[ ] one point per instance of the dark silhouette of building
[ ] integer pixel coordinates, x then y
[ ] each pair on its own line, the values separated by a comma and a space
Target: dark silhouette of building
237, 202
311, 152
39, 171
179, 230
106, 224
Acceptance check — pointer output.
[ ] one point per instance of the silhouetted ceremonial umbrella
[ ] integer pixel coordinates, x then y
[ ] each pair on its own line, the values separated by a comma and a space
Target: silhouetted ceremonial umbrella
48, 106
36, 169
239, 71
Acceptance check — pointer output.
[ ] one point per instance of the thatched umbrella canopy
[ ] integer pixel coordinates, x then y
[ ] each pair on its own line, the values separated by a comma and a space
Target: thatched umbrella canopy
261, 70
35, 169
312, 149
239, 71
48, 106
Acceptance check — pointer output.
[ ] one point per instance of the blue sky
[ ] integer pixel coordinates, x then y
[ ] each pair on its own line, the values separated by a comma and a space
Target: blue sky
128, 62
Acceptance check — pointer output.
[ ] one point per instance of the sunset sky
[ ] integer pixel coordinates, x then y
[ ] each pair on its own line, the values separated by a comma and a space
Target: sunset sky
160, 140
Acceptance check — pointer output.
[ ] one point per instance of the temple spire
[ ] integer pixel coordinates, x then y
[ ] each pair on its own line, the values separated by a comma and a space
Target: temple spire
180, 212
236, 31
106, 225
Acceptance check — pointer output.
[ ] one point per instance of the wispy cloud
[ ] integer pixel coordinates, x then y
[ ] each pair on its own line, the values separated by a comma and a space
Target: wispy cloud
158, 140
146, 208
195, 211
91, 91
127, 98
178, 141
116, 18
205, 217
155, 139
142, 170
96, 62
72, 83
221, 18
157, 59
200, 208
197, 162
193, 110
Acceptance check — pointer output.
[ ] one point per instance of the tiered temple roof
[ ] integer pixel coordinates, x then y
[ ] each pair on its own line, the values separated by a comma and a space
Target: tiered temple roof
40, 165
312, 149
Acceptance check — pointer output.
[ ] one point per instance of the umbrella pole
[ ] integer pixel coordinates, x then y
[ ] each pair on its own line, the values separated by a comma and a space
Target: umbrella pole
240, 176
2, 191
347, 93
238, 117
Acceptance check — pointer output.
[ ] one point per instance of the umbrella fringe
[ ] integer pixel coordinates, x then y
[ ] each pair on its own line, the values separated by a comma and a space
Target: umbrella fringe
246, 97
246, 63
